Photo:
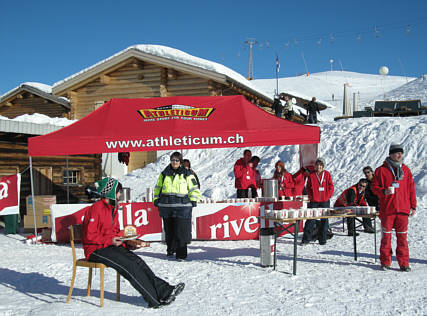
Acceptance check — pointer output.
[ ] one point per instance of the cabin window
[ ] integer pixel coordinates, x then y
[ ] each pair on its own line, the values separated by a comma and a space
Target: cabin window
98, 104
73, 177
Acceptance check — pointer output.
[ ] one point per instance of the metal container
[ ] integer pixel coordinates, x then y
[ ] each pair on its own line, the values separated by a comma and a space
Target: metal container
125, 197
266, 243
270, 188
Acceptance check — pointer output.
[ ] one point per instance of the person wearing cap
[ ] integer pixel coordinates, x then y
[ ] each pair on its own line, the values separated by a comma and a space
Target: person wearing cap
102, 244
394, 185
175, 194
320, 189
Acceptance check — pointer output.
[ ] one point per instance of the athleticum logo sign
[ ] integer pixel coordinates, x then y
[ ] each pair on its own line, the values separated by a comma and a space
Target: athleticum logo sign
176, 112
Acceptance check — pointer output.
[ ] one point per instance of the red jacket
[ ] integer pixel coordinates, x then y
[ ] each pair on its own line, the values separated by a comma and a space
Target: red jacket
100, 225
286, 183
351, 197
244, 175
314, 191
299, 182
404, 197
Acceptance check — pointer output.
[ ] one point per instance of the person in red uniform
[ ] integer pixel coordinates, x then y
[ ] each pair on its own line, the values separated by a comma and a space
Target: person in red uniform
256, 181
300, 180
101, 243
286, 183
244, 174
395, 188
320, 189
353, 196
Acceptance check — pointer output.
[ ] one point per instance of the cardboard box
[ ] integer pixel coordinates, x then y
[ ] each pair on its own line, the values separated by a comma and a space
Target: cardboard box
43, 221
42, 205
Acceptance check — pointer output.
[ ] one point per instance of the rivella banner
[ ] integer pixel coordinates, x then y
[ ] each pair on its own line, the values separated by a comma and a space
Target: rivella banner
211, 221
9, 194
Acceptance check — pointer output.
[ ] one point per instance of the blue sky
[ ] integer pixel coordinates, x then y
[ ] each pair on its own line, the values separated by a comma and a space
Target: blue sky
47, 41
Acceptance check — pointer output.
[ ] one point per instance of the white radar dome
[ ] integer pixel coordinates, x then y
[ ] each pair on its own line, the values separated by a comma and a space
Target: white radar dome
383, 70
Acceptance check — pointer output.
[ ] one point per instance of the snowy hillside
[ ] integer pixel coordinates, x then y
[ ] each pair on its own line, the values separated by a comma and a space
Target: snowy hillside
347, 146
329, 87
225, 277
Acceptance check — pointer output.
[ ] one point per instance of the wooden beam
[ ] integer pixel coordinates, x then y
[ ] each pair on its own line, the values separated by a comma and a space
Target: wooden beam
164, 91
164, 76
136, 63
105, 79
172, 74
71, 94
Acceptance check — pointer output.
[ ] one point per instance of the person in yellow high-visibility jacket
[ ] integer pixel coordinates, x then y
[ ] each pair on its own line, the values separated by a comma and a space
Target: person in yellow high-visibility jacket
175, 195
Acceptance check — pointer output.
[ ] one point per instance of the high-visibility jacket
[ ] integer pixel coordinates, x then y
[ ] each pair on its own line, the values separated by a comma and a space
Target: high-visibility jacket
320, 187
404, 197
351, 197
176, 188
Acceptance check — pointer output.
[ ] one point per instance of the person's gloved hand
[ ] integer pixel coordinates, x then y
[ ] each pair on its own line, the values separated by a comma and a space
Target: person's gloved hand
194, 203
156, 202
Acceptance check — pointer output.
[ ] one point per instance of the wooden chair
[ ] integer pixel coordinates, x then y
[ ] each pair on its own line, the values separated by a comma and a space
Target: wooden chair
76, 235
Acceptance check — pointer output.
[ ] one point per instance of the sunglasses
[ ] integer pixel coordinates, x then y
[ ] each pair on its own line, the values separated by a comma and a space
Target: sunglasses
362, 186
175, 160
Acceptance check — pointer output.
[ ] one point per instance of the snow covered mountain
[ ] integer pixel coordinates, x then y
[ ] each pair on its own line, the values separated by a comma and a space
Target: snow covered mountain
329, 87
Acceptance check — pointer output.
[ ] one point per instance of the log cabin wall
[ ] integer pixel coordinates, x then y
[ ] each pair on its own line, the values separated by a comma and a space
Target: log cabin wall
137, 79
29, 104
48, 173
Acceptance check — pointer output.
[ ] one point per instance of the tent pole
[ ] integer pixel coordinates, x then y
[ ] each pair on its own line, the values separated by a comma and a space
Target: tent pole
32, 197
67, 175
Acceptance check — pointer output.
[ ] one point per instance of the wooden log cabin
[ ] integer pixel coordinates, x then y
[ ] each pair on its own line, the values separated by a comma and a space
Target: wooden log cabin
49, 174
147, 71
141, 71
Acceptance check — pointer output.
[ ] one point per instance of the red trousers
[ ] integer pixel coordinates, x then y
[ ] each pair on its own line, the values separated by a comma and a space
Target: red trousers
400, 224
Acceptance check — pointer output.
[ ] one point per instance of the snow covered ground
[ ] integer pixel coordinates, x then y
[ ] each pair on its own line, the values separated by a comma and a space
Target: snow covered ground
224, 277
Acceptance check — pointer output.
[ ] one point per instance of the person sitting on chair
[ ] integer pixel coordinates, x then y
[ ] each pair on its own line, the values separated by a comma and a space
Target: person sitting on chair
102, 244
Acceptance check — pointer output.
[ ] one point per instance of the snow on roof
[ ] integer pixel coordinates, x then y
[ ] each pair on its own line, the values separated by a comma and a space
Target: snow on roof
38, 118
38, 88
178, 56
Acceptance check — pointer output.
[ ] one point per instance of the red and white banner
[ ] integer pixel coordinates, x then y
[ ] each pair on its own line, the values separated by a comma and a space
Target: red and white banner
226, 221
9, 194
212, 221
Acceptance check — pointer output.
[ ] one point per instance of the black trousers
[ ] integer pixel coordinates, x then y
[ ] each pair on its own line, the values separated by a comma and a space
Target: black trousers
244, 193
136, 271
310, 224
367, 224
177, 235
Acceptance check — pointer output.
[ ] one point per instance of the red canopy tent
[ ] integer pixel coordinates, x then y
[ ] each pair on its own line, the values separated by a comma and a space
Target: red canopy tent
125, 125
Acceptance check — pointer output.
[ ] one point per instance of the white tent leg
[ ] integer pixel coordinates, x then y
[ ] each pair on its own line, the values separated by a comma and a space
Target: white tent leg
67, 178
32, 197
